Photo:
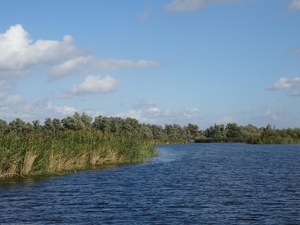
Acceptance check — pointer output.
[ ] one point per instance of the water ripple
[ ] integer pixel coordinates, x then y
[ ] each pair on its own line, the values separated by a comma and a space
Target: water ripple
187, 184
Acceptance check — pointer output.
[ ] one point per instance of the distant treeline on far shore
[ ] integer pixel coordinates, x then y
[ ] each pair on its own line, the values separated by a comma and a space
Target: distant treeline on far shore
172, 133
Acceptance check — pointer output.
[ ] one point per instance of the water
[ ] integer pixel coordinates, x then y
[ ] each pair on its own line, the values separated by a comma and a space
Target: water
187, 184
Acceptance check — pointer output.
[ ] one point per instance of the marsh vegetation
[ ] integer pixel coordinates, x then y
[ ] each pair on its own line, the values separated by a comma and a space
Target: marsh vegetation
79, 142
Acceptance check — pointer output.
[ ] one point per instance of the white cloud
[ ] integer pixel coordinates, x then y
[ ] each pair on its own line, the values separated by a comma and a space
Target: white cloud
8, 100
294, 93
150, 113
6, 85
137, 114
269, 114
86, 64
294, 5
142, 104
177, 114
15, 106
19, 55
71, 66
285, 83
120, 64
191, 5
96, 85
65, 110
225, 120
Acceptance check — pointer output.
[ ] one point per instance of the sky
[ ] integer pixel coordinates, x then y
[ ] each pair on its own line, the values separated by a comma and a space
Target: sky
203, 62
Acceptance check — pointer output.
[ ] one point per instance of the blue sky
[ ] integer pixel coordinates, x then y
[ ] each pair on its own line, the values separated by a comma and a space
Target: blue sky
161, 62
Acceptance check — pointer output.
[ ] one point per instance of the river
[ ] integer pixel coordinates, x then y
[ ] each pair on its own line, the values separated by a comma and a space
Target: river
186, 184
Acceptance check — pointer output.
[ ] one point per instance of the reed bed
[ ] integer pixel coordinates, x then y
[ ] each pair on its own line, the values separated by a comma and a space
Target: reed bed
36, 154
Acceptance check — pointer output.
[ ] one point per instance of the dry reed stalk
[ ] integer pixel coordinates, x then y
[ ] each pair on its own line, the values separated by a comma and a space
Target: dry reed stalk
78, 162
54, 164
111, 157
11, 172
28, 162
94, 158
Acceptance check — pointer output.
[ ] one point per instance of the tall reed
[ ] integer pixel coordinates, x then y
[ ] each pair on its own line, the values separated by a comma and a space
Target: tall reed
34, 153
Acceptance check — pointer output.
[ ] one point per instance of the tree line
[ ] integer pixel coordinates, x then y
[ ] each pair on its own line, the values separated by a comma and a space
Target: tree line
131, 128
127, 127
249, 134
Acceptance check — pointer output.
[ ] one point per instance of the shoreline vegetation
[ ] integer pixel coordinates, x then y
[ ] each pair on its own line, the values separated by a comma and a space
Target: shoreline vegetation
35, 154
80, 142
75, 143
232, 133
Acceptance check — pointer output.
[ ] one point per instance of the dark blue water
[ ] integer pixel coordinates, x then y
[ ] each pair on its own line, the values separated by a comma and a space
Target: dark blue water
187, 184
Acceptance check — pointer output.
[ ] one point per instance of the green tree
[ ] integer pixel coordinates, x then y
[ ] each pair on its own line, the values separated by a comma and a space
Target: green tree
73, 122
191, 131
56, 123
102, 123
36, 126
87, 121
146, 132
233, 131
157, 131
130, 127
3, 126
19, 126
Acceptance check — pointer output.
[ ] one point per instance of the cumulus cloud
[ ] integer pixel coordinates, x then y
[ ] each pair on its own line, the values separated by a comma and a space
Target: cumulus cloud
136, 114
64, 110
151, 113
96, 85
71, 66
14, 106
191, 5
285, 83
294, 5
19, 55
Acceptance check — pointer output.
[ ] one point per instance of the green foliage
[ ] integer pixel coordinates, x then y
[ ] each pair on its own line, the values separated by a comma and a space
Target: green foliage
191, 131
33, 153
78, 141
233, 131
3, 126
248, 134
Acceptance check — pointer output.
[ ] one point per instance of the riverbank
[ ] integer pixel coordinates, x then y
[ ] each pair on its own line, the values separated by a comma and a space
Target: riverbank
36, 154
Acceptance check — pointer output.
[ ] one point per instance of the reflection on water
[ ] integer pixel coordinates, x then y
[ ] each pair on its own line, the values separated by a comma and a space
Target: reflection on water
186, 184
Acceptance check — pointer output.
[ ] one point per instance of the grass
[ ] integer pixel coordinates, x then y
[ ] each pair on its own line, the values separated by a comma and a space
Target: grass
36, 154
